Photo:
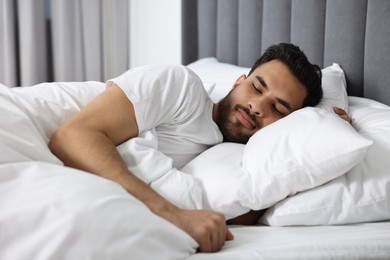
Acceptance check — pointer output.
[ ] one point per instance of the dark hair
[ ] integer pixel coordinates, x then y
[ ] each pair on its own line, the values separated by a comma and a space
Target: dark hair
308, 74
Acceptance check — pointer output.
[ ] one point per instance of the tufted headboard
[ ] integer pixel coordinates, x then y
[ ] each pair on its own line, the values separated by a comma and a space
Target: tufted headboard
353, 33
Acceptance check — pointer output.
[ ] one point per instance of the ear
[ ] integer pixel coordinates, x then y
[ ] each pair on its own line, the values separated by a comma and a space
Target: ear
239, 80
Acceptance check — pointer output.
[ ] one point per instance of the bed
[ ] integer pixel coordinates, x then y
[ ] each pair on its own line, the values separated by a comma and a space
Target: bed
338, 208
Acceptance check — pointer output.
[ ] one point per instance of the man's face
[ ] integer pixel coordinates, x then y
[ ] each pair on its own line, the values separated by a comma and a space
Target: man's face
270, 93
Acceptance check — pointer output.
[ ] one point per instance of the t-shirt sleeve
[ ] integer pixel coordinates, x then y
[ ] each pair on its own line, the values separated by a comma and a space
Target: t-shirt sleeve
159, 93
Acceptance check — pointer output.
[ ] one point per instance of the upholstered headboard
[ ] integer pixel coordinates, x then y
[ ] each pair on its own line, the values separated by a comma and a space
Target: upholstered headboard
353, 33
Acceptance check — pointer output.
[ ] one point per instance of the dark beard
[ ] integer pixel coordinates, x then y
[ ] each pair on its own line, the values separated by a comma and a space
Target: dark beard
228, 128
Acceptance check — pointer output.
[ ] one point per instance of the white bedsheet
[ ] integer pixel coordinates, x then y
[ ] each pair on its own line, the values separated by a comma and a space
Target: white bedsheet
359, 241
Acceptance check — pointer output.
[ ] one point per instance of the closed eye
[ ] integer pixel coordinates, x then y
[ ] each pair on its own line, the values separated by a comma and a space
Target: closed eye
277, 111
256, 89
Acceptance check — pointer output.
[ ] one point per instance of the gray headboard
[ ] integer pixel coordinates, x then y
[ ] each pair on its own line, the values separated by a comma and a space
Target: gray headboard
353, 33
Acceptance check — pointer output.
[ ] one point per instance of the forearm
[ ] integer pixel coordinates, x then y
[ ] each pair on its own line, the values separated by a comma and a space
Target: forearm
98, 155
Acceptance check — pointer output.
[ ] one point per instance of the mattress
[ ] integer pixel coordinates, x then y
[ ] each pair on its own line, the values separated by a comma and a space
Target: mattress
358, 241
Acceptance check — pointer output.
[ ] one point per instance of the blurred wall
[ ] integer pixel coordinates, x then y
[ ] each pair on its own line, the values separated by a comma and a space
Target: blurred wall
79, 40
155, 32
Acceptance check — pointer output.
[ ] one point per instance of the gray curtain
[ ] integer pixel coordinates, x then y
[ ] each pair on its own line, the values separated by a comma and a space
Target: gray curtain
63, 40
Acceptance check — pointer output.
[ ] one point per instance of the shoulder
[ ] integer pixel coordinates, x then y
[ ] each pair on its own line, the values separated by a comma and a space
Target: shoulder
159, 70
162, 75
163, 82
179, 74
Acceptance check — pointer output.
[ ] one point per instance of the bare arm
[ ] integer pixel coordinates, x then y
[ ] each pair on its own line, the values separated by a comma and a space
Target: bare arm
88, 142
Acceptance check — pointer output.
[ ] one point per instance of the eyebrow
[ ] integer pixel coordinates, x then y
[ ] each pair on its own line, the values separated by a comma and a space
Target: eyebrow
281, 101
262, 82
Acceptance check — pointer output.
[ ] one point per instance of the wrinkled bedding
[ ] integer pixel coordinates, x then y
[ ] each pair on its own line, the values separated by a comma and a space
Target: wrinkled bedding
49, 211
53, 211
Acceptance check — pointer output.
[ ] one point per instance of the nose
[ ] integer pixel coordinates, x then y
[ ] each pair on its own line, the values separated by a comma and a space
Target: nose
256, 109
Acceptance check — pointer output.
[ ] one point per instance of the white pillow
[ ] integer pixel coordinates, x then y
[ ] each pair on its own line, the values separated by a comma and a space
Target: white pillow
217, 77
301, 151
362, 194
222, 177
334, 87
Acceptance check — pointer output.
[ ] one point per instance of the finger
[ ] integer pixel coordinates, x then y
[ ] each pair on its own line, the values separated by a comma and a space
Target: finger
220, 221
339, 111
229, 235
347, 118
220, 232
205, 245
221, 235
216, 243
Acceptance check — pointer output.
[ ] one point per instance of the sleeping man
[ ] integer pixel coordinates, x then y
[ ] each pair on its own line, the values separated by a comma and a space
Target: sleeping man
171, 99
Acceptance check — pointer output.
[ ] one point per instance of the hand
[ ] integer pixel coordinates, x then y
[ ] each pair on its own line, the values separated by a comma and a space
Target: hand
342, 114
206, 227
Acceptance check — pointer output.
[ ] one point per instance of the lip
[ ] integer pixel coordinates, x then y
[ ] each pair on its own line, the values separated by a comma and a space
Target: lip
245, 119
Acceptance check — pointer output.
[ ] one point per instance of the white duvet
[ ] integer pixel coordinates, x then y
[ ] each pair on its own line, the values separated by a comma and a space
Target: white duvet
48, 211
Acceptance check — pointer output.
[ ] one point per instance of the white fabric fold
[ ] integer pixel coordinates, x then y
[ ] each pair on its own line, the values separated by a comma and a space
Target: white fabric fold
156, 169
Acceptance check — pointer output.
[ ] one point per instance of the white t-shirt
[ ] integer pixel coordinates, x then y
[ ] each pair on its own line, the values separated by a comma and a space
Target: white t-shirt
172, 100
